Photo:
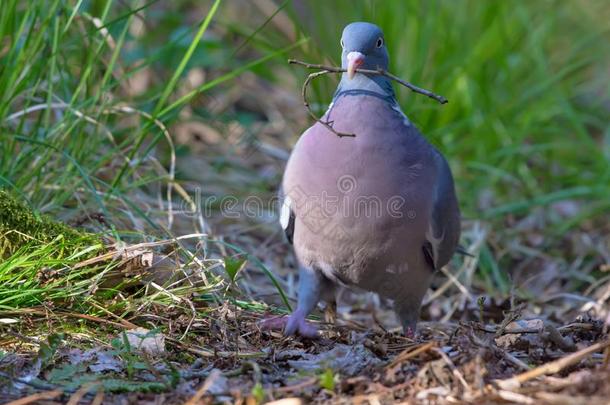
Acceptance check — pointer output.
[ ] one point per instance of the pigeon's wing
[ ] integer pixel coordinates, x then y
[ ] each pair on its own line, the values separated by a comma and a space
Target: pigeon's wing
444, 229
287, 216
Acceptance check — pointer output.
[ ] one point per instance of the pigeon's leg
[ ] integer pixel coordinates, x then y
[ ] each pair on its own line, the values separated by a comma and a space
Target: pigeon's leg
407, 310
330, 298
311, 287
330, 312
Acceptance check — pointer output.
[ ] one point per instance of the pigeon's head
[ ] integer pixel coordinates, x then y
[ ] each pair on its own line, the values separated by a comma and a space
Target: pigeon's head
363, 47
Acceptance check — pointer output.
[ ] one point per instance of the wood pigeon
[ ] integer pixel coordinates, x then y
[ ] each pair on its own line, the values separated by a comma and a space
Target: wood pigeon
377, 211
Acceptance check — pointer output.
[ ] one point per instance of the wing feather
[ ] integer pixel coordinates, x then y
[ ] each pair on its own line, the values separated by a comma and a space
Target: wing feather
444, 229
287, 217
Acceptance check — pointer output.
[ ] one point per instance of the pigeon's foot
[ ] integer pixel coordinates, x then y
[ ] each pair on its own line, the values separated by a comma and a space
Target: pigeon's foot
330, 312
291, 325
297, 324
409, 332
409, 329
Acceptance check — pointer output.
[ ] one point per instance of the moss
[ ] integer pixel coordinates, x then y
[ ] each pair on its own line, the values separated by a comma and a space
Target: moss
20, 226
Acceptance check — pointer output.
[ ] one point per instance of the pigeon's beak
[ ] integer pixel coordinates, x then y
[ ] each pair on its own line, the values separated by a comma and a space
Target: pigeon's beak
354, 61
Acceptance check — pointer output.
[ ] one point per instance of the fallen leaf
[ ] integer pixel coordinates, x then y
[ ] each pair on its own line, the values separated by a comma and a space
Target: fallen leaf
146, 341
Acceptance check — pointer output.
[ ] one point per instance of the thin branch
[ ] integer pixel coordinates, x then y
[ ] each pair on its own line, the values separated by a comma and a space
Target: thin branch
552, 367
333, 69
408, 85
410, 352
454, 370
378, 72
327, 124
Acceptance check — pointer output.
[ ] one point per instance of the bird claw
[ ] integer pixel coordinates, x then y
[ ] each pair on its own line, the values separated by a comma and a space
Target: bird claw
409, 330
330, 313
291, 325
275, 323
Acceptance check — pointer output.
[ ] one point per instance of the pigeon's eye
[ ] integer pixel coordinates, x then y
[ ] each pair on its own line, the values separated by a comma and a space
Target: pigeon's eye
379, 42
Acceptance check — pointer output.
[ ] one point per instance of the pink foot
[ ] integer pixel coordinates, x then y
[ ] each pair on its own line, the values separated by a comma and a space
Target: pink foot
291, 325
409, 332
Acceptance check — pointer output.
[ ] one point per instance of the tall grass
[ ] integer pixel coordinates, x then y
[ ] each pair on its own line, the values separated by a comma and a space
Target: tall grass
77, 138
71, 124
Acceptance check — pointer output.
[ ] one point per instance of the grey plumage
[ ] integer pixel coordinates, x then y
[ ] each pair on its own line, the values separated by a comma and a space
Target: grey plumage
377, 211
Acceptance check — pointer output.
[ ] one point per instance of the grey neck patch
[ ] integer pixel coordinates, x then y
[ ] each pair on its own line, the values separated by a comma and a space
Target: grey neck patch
377, 86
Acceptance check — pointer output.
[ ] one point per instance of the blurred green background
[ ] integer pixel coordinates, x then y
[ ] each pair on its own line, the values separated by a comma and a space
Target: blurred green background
121, 107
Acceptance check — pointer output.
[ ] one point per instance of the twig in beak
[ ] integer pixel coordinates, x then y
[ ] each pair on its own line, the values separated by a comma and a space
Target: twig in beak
332, 69
327, 124
378, 72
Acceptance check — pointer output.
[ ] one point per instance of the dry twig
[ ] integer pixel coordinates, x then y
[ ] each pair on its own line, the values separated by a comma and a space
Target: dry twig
454, 370
332, 69
554, 366
411, 352
36, 398
299, 387
485, 344
552, 335
207, 384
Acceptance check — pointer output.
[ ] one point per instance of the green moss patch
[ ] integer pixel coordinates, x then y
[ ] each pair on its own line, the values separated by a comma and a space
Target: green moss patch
21, 226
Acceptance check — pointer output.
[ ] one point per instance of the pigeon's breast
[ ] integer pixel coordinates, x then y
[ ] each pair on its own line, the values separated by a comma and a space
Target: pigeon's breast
359, 201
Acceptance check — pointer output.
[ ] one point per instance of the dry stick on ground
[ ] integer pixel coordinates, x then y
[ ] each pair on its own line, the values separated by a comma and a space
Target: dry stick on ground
571, 327
332, 69
552, 367
410, 353
454, 370
207, 384
485, 344
43, 312
35, 398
